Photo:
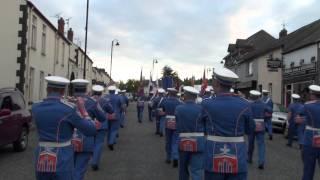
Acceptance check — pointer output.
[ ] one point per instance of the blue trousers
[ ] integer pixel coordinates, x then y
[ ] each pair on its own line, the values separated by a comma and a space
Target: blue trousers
98, 147
172, 144
113, 127
192, 161
261, 146
300, 132
122, 119
291, 132
54, 176
310, 156
150, 113
81, 161
140, 114
219, 176
162, 122
268, 124
157, 124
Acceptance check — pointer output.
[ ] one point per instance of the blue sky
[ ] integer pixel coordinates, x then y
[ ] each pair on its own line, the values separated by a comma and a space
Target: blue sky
188, 35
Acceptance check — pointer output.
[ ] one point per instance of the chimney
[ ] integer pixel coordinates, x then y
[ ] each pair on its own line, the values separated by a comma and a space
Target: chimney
283, 33
61, 26
70, 35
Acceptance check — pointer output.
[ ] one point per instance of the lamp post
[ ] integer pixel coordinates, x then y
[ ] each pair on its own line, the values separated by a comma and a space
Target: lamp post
112, 44
154, 61
86, 42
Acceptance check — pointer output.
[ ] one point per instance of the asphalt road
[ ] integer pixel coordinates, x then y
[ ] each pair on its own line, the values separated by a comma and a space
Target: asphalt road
139, 155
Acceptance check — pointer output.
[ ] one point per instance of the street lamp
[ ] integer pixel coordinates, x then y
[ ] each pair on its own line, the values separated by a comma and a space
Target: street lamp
154, 61
112, 44
86, 42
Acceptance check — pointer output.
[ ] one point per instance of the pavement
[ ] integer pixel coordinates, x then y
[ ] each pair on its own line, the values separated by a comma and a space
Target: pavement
139, 155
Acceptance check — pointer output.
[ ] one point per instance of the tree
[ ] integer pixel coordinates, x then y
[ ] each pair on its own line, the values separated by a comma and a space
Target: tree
122, 85
132, 85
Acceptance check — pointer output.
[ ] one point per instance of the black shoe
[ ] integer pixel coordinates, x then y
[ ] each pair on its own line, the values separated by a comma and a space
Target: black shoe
156, 133
289, 145
261, 166
140, 121
175, 163
249, 161
95, 167
168, 161
161, 134
270, 137
111, 147
122, 126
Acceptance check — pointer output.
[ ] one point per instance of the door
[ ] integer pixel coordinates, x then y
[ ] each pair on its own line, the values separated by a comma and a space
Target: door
7, 122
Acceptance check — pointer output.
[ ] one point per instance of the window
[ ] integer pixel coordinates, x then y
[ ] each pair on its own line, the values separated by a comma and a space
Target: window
301, 62
31, 84
313, 59
57, 51
17, 102
250, 68
41, 86
34, 33
270, 89
63, 53
7, 103
292, 64
43, 40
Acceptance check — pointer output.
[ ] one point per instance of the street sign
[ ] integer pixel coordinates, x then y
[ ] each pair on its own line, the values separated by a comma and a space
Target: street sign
274, 64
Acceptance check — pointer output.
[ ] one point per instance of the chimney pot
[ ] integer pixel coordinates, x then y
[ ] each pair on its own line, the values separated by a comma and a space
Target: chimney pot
70, 35
61, 26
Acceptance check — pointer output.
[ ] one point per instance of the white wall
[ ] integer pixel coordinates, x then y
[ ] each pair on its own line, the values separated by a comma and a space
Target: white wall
9, 16
304, 53
265, 77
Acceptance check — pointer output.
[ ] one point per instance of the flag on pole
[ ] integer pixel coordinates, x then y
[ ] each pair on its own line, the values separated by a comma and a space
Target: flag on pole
204, 83
141, 88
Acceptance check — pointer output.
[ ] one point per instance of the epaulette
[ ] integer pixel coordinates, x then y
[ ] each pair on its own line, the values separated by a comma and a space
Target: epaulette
67, 103
244, 99
311, 102
95, 100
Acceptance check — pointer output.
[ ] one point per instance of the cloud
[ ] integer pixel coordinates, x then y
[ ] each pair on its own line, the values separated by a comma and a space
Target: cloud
185, 34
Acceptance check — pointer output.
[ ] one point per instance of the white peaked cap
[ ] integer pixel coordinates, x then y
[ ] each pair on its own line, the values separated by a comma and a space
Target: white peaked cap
190, 90
172, 90
232, 90
57, 81
265, 91
315, 88
225, 76
255, 93
160, 90
80, 82
295, 96
112, 88
209, 89
97, 88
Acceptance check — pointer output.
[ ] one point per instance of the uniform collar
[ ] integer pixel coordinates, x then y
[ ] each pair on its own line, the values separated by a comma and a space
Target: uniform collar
54, 96
225, 94
190, 101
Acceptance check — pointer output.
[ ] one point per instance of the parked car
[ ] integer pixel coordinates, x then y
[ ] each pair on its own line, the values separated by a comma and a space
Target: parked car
279, 117
15, 119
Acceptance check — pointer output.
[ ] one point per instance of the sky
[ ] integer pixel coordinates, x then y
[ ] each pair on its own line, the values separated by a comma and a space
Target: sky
187, 35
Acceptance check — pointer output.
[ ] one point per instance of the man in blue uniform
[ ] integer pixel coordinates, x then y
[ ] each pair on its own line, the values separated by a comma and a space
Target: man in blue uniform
228, 118
105, 107
295, 126
190, 127
84, 145
114, 118
140, 108
259, 110
169, 106
125, 104
268, 101
311, 148
150, 99
207, 94
159, 112
55, 120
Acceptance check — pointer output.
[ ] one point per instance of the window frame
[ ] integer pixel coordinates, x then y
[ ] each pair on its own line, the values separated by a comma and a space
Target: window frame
44, 40
34, 32
250, 68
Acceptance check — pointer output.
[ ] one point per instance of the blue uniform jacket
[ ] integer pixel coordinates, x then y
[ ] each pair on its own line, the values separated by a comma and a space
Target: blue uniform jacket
104, 107
310, 111
55, 120
268, 101
259, 110
156, 103
228, 116
294, 109
189, 118
169, 105
116, 104
94, 112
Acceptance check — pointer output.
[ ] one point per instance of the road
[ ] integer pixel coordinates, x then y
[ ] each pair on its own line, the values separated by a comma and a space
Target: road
139, 155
